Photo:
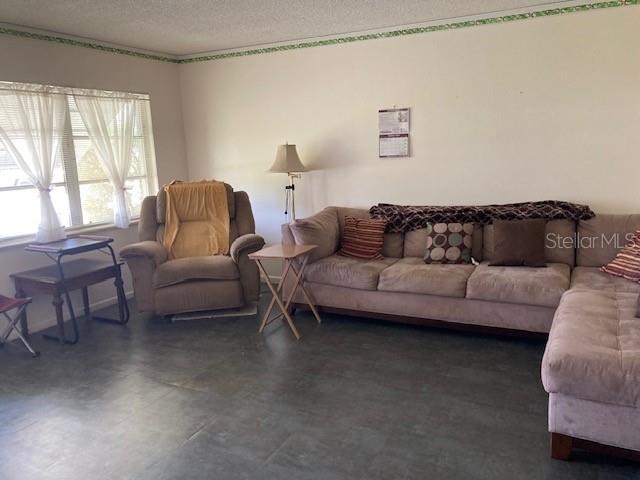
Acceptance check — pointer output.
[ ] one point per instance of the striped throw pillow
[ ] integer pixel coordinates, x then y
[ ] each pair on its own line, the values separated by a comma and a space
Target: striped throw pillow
362, 238
627, 261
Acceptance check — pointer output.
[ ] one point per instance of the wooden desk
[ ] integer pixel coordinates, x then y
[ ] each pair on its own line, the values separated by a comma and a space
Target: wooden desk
289, 254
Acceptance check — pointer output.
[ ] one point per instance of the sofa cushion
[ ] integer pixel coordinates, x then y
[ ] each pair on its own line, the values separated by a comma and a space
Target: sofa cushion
214, 267
593, 351
321, 229
592, 278
412, 275
524, 285
393, 245
347, 272
600, 238
519, 242
559, 242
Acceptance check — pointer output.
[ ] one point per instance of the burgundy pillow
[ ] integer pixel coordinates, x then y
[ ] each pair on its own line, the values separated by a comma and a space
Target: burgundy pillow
519, 243
627, 261
363, 238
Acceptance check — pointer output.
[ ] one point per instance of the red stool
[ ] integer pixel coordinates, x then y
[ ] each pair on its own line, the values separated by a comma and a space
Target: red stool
19, 304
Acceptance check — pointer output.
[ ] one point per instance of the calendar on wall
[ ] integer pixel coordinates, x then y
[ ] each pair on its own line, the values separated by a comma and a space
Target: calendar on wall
393, 132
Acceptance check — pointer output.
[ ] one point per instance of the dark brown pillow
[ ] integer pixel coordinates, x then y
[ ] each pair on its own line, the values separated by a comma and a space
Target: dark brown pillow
638, 310
519, 243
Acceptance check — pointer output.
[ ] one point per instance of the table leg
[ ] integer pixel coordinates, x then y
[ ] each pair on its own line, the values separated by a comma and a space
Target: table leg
24, 326
12, 327
300, 284
277, 299
298, 278
67, 297
123, 306
273, 298
58, 302
85, 303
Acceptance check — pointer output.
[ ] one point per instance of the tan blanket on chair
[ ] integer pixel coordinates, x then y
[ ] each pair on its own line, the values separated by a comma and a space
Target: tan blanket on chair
197, 219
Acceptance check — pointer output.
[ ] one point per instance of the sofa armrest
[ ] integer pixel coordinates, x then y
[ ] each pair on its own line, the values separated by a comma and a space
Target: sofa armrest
245, 244
147, 249
321, 229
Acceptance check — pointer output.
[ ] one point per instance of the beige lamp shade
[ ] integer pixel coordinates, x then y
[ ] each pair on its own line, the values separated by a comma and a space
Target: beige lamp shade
287, 160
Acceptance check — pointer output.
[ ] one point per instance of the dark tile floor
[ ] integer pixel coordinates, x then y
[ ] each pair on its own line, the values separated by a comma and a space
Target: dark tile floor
354, 399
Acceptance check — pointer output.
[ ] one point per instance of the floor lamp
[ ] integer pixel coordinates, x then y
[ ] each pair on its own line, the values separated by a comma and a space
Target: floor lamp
287, 161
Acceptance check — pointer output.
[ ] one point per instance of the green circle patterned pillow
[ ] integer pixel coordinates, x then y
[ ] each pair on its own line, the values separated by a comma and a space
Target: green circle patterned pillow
449, 243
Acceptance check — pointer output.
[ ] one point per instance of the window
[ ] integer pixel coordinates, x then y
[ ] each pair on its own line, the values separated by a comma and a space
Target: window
81, 192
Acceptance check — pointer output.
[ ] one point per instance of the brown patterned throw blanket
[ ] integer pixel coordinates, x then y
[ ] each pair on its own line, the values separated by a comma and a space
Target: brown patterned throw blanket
403, 218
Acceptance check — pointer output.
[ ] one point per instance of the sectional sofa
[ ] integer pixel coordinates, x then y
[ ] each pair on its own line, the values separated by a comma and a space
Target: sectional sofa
591, 367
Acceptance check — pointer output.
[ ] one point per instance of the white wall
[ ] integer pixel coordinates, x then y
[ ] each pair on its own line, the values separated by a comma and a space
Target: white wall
546, 108
536, 109
36, 61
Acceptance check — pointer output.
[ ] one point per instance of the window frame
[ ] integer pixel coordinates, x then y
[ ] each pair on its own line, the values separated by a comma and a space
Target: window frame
71, 180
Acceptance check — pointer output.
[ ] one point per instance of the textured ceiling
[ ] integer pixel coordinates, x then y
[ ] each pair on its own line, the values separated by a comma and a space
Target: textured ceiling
182, 27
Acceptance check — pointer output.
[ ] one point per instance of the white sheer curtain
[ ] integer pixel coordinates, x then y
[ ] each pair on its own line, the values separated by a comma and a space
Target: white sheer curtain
31, 128
110, 123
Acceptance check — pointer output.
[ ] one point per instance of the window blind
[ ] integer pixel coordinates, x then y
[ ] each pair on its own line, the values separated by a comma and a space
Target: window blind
81, 192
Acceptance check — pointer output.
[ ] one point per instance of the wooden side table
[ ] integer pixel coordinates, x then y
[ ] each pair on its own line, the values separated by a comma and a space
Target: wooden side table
78, 274
289, 254
60, 278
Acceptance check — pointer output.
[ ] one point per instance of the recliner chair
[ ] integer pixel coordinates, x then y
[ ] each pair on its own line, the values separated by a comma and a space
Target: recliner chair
167, 287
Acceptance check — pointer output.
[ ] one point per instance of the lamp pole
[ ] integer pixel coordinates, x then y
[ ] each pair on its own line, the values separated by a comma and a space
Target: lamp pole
291, 188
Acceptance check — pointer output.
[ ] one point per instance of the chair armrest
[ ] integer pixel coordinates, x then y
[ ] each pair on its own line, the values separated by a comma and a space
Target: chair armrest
147, 249
245, 244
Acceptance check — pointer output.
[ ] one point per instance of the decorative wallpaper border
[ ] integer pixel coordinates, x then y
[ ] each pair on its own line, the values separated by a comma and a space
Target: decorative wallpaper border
85, 44
413, 31
321, 43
